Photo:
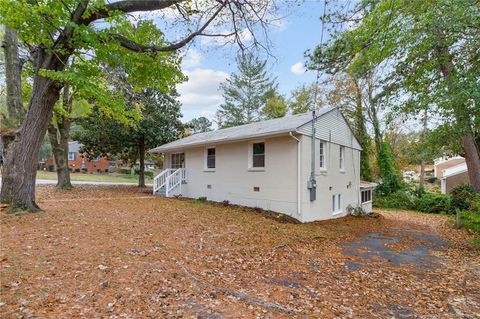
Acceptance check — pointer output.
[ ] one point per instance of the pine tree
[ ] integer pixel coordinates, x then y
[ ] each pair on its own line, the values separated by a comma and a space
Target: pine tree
245, 92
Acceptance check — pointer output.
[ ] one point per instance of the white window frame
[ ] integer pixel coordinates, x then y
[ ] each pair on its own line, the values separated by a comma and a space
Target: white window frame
337, 204
205, 164
341, 158
322, 156
74, 156
250, 156
369, 196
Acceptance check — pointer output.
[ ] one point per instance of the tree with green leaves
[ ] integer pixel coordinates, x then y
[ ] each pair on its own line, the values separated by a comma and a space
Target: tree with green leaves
305, 98
200, 125
421, 46
56, 31
159, 124
275, 106
245, 92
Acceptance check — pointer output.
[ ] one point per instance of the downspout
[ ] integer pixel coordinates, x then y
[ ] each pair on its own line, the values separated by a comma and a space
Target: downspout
312, 183
299, 177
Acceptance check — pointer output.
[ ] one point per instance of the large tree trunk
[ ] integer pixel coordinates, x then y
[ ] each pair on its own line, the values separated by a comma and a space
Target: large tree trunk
13, 76
18, 180
472, 158
141, 153
59, 137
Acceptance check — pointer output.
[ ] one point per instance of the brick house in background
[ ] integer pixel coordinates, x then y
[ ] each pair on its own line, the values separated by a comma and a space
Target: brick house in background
78, 162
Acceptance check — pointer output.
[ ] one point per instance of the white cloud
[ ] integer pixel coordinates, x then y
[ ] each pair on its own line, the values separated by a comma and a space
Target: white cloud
298, 68
192, 59
200, 95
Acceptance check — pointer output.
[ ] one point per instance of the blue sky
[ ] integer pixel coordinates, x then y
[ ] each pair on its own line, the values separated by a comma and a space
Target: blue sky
208, 63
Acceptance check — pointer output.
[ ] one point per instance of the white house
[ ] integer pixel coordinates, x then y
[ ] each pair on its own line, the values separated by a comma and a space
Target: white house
269, 165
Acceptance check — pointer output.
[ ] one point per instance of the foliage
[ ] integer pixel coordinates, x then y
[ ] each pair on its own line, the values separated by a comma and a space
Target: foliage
428, 54
159, 124
463, 197
427, 203
389, 178
200, 125
275, 106
303, 98
470, 221
245, 92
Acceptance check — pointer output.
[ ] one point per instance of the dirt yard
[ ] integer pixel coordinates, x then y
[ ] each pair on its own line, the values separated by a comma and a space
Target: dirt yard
120, 253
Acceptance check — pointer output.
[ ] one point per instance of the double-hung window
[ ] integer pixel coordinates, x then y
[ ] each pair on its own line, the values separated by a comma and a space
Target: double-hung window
322, 156
210, 158
342, 158
258, 155
72, 156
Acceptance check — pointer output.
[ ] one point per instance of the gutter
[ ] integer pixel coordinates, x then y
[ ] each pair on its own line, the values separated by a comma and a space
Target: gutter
299, 179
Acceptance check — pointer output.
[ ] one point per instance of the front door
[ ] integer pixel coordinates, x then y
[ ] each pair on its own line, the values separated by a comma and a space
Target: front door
177, 161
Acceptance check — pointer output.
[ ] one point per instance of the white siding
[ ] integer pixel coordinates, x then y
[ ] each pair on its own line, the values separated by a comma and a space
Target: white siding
233, 181
332, 127
330, 181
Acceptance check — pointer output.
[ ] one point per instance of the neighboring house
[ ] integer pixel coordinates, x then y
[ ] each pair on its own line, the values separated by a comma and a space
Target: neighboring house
451, 171
268, 165
78, 162
454, 176
442, 163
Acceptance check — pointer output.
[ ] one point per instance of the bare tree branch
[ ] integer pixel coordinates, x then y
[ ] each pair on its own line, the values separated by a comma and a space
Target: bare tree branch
134, 46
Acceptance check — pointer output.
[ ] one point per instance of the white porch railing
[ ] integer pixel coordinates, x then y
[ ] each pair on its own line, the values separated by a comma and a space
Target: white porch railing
169, 179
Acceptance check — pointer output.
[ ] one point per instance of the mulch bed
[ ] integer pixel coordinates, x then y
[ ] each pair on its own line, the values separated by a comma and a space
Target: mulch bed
118, 252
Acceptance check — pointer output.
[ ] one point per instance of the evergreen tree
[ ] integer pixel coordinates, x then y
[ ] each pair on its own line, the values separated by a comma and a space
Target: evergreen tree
200, 124
245, 92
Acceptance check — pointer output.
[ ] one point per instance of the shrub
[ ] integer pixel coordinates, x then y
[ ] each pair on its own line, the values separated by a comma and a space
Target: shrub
463, 197
51, 168
106, 170
149, 174
84, 170
433, 203
470, 221
77, 170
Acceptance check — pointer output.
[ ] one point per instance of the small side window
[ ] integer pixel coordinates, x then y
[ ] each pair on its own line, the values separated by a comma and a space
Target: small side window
72, 156
258, 155
322, 157
211, 158
342, 158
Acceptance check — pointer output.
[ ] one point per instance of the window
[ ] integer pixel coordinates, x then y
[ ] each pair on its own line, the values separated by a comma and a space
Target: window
72, 156
336, 203
322, 156
366, 196
258, 155
210, 158
178, 160
342, 158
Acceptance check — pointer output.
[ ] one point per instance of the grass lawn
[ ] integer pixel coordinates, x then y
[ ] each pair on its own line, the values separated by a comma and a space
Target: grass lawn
112, 178
118, 252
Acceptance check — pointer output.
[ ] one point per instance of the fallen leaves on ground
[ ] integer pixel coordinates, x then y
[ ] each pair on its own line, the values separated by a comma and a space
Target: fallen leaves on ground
119, 252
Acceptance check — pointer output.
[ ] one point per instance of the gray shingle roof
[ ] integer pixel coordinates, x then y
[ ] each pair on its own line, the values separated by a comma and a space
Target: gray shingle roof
259, 129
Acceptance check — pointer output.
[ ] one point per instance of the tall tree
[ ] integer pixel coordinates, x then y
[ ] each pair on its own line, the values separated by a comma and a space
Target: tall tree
200, 125
246, 92
159, 124
57, 30
419, 44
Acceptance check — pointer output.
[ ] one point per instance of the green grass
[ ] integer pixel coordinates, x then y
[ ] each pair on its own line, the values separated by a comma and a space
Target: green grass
112, 178
470, 221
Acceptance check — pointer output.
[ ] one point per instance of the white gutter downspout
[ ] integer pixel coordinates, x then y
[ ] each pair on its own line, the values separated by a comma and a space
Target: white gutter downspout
299, 179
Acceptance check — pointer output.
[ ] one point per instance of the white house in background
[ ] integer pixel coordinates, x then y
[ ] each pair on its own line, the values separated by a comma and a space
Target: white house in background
268, 165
